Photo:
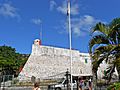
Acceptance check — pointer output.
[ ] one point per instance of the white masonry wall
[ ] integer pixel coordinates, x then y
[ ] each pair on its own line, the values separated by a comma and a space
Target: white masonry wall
47, 61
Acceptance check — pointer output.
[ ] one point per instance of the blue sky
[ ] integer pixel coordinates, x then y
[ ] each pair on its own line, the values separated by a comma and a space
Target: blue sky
21, 21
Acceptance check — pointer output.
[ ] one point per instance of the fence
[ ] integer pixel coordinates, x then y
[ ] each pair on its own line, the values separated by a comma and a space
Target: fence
8, 82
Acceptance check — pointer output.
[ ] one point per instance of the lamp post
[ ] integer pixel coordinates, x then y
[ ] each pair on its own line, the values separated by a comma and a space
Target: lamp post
67, 79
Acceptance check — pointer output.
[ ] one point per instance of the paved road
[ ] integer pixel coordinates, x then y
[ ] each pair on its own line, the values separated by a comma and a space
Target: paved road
16, 88
30, 88
21, 88
102, 88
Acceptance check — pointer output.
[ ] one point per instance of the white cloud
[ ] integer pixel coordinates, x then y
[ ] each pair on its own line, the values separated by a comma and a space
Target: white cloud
52, 4
63, 8
87, 19
81, 26
74, 9
36, 21
76, 31
8, 10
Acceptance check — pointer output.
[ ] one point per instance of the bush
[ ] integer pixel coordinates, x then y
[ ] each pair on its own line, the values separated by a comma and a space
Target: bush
114, 86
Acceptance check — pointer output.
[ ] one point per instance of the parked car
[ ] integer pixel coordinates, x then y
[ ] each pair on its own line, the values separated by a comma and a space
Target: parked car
62, 85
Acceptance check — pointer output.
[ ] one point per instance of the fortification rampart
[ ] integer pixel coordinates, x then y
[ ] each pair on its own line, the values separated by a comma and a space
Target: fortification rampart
40, 50
45, 62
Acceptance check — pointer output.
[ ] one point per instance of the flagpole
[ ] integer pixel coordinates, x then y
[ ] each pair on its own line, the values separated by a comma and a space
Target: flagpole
70, 40
41, 32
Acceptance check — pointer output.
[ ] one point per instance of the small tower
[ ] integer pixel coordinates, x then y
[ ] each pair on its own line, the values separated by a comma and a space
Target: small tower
37, 42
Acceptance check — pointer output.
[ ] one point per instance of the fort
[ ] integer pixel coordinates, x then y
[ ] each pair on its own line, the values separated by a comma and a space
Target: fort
46, 62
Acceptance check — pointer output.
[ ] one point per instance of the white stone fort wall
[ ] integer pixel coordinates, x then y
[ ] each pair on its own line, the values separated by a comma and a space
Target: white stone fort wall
46, 61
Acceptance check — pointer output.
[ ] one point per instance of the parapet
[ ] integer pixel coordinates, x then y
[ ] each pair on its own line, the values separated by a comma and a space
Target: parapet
48, 50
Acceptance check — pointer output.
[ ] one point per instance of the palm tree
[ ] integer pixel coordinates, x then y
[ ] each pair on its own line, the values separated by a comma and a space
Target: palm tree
104, 45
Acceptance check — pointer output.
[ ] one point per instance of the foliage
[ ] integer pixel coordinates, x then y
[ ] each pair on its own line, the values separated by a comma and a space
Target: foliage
104, 45
114, 86
10, 61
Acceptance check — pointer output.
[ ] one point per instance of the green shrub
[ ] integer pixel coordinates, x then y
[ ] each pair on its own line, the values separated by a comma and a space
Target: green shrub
114, 86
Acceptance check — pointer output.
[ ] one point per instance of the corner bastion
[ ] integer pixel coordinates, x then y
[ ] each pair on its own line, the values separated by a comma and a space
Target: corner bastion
47, 62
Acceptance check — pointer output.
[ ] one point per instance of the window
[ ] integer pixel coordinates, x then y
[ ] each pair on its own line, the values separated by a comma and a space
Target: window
86, 60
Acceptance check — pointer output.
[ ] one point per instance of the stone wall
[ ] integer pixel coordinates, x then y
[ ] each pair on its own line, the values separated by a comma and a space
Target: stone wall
46, 62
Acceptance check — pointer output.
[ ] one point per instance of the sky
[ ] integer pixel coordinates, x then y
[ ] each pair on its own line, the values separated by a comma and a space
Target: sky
22, 21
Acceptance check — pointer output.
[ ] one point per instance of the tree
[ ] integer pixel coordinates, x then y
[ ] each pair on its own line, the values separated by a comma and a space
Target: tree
10, 61
104, 45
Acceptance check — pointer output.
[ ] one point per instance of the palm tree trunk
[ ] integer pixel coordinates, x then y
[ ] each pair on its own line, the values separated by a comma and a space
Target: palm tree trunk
95, 80
118, 70
111, 73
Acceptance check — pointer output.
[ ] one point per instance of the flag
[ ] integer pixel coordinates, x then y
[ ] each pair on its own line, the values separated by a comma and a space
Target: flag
68, 7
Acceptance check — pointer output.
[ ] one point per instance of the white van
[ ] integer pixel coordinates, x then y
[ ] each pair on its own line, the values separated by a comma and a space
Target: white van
62, 85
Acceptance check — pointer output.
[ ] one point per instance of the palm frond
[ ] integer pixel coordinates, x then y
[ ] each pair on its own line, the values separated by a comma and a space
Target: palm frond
115, 30
99, 39
100, 27
115, 24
